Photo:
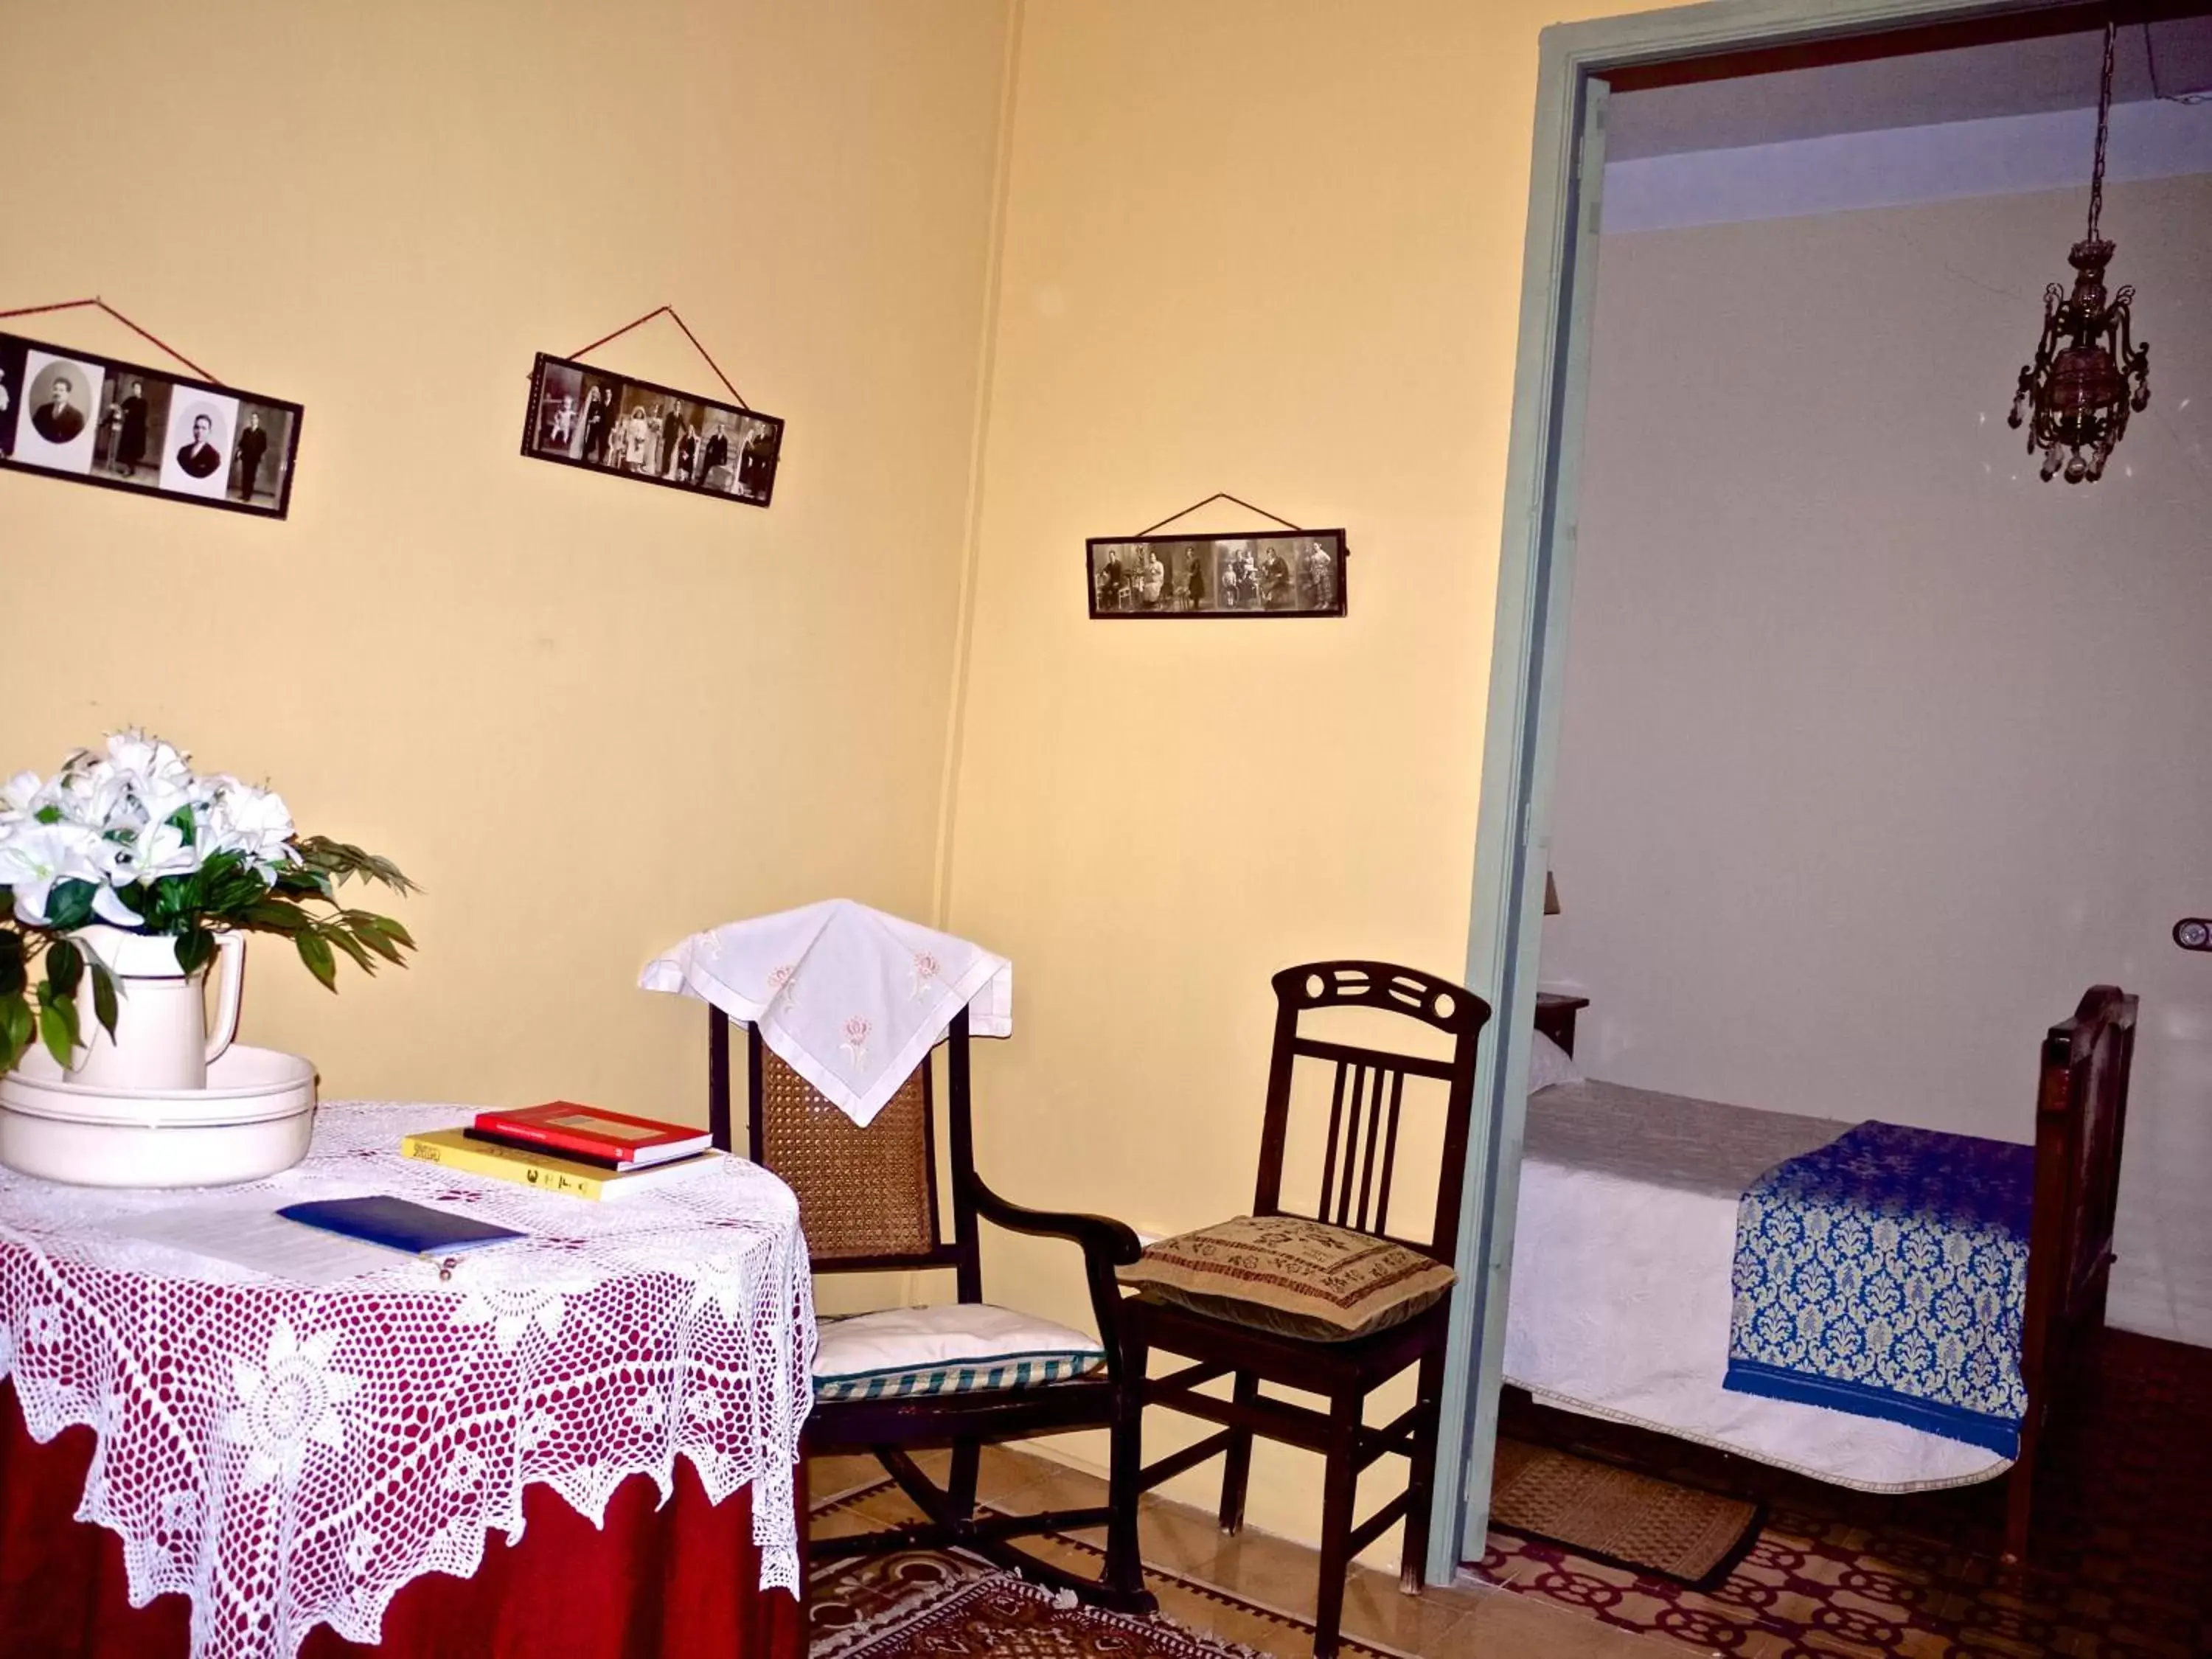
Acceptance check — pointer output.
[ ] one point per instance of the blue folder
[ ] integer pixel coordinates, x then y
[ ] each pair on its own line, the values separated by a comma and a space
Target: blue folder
399, 1224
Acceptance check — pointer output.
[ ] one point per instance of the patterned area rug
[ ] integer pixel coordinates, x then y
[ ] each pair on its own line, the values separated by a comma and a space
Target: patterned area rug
2122, 1542
1614, 1515
931, 1605
908, 1605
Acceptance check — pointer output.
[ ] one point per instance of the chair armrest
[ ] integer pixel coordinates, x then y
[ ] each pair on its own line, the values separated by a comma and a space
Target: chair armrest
1106, 1243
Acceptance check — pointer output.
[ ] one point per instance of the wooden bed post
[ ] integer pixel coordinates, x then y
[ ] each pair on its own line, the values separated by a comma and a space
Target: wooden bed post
2081, 1121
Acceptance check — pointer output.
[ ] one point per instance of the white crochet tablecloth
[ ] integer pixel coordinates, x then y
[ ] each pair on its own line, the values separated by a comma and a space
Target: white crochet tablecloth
287, 1456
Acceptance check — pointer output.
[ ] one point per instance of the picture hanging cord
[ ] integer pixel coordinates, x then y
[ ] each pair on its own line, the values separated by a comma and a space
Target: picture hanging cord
73, 305
1223, 496
688, 335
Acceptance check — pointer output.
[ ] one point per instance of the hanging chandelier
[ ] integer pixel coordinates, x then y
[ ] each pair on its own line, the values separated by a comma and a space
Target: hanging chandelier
2087, 373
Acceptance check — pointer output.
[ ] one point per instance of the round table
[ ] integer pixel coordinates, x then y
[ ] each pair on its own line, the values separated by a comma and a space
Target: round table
290, 1455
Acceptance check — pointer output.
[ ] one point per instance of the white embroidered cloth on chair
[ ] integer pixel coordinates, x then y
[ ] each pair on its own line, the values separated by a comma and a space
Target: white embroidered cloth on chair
850, 998
233, 1409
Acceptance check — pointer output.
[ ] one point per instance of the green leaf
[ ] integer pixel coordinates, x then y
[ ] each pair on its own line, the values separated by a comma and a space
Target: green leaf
17, 1028
64, 967
346, 943
103, 999
58, 1027
316, 953
195, 949
374, 938
68, 906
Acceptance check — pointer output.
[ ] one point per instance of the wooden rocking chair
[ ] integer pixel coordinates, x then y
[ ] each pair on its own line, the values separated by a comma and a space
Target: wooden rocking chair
868, 1203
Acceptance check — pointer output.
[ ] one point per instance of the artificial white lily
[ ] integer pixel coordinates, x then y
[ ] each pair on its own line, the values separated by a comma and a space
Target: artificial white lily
34, 856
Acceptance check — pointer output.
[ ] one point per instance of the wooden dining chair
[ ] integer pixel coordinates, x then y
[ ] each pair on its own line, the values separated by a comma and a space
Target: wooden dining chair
868, 1202
1224, 1335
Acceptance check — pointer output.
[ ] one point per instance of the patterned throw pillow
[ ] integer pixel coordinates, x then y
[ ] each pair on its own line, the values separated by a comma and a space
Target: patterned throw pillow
1292, 1275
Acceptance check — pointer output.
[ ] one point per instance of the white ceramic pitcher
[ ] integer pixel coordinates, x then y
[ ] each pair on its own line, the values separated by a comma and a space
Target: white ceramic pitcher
161, 1035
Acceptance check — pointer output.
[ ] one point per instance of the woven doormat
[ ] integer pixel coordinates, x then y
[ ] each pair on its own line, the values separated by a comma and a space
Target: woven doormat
1613, 1514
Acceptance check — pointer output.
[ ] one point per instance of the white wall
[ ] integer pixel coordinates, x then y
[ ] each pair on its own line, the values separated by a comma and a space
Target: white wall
1877, 751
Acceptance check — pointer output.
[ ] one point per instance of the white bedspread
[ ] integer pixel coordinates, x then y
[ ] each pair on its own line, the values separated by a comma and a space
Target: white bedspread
1621, 1263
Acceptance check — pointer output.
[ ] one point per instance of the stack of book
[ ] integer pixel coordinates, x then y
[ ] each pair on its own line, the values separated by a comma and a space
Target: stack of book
562, 1147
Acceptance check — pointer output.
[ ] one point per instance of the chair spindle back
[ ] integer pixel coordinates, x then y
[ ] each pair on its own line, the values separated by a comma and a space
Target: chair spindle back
1367, 1094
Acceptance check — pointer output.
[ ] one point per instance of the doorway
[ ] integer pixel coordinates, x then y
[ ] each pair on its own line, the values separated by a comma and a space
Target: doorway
1582, 66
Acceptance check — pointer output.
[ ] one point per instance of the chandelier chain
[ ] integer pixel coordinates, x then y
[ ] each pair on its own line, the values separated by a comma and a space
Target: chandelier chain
2104, 127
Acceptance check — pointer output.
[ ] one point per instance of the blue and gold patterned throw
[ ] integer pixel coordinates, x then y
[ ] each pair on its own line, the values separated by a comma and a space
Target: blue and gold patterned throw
1886, 1274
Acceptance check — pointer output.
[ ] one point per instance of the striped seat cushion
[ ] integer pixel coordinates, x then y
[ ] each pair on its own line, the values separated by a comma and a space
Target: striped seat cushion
958, 1348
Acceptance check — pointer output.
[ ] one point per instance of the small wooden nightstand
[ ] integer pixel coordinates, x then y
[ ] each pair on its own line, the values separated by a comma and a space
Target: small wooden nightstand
1555, 1016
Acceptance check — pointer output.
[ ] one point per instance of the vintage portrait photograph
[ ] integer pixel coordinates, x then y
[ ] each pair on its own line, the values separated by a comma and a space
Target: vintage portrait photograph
124, 426
581, 416
131, 424
1292, 574
11, 391
196, 451
259, 472
57, 429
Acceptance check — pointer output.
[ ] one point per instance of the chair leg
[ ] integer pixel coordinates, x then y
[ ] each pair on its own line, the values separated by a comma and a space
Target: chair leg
1124, 1569
1421, 1473
960, 1479
1237, 1472
1340, 1485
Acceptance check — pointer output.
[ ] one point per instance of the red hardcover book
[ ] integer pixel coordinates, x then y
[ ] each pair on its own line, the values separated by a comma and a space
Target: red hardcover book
562, 1126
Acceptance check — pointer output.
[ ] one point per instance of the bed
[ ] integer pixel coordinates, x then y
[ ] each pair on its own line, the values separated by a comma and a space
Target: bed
1625, 1248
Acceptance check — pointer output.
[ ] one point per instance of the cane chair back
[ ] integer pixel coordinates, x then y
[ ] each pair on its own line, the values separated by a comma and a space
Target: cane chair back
868, 1198
1366, 1091
863, 1194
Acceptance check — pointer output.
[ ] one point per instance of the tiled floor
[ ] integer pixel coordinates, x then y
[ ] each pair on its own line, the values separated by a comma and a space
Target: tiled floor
2123, 1557
2122, 1552
1180, 1542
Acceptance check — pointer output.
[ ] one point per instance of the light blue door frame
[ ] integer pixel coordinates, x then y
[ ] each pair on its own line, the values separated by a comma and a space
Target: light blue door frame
1535, 579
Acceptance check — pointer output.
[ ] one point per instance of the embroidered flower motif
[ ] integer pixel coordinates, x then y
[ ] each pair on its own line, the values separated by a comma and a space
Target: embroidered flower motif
362, 1551
926, 969
856, 1038
512, 1310
646, 1410
464, 1470
779, 985
287, 1403
705, 1406
42, 1326
721, 1279
535, 1430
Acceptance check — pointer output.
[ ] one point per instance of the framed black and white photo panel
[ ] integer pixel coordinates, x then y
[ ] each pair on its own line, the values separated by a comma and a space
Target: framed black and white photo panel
91, 418
583, 416
1297, 573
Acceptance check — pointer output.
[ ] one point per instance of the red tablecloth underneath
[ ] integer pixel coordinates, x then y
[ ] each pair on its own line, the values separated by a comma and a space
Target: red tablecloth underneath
675, 1583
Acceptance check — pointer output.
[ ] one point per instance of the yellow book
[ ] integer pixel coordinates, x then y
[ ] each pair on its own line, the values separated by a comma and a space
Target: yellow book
544, 1170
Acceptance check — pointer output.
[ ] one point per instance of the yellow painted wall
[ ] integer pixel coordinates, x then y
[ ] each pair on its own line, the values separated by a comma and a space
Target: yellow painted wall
589, 716
1271, 246
1267, 246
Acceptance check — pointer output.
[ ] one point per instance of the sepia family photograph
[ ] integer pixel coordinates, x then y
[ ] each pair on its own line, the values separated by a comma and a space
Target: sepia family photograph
581, 416
1295, 574
127, 427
